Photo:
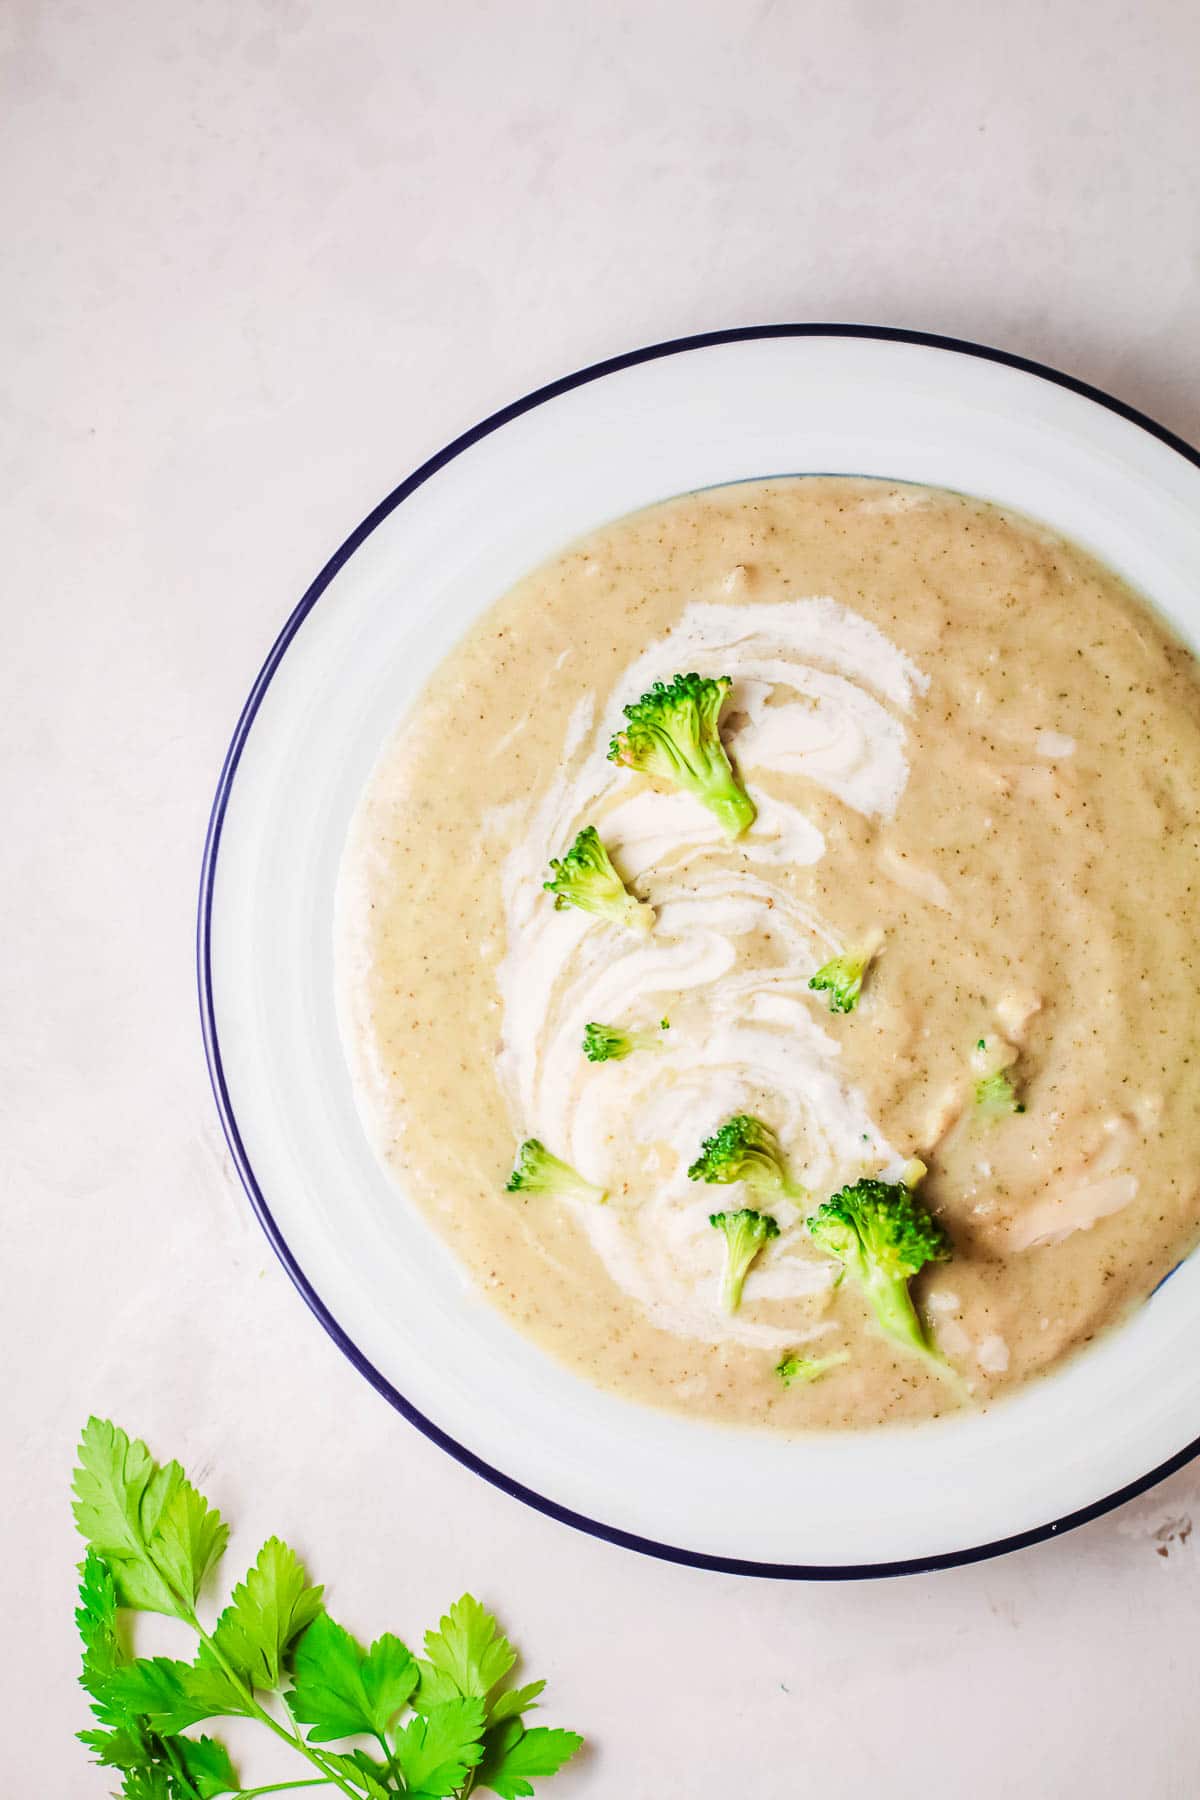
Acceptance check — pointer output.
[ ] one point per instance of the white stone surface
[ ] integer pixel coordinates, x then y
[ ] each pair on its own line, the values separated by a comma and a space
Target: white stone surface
260, 259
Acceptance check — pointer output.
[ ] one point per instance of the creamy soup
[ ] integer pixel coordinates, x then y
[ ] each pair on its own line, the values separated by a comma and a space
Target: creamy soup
961, 733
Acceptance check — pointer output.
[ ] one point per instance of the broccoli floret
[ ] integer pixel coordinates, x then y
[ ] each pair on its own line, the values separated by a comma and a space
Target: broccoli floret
538, 1172
803, 1369
585, 877
609, 1043
882, 1235
995, 1096
744, 1149
745, 1234
672, 733
842, 976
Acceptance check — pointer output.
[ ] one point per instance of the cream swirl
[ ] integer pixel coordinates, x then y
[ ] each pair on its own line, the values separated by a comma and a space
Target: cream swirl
816, 690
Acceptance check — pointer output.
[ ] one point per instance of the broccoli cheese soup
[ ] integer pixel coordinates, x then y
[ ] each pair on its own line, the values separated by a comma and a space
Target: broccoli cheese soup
767, 953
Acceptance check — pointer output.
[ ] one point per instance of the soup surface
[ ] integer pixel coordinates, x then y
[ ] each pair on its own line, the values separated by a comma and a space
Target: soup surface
960, 732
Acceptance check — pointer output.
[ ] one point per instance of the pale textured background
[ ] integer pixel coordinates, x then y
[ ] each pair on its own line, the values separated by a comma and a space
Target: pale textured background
260, 258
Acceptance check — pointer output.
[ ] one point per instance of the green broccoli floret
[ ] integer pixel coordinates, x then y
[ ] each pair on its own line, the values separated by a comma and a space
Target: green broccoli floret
538, 1172
610, 1043
745, 1234
803, 1369
882, 1235
995, 1096
672, 733
842, 976
585, 877
744, 1149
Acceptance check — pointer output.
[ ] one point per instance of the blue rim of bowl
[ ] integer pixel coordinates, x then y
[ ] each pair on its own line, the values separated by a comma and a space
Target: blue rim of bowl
725, 1565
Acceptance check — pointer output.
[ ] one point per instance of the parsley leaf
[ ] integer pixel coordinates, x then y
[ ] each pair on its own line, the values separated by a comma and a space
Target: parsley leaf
340, 1689
269, 1610
96, 1618
190, 1538
147, 1784
150, 1688
206, 1764
469, 1649
434, 1689
513, 1756
212, 1686
124, 1748
438, 1749
157, 1535
168, 1695
514, 1701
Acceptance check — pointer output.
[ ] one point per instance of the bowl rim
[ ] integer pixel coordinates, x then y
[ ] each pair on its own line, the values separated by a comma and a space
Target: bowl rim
204, 974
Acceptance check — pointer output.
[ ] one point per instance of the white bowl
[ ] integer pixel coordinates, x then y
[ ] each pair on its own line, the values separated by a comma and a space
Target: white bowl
380, 616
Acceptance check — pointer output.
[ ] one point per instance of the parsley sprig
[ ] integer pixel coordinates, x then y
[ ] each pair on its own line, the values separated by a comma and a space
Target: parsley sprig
441, 1726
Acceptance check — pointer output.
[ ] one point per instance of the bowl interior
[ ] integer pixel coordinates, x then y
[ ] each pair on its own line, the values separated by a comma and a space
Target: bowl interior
350, 662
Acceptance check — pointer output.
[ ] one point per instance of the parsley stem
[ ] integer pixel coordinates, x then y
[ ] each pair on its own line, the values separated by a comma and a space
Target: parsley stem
331, 1776
280, 1787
